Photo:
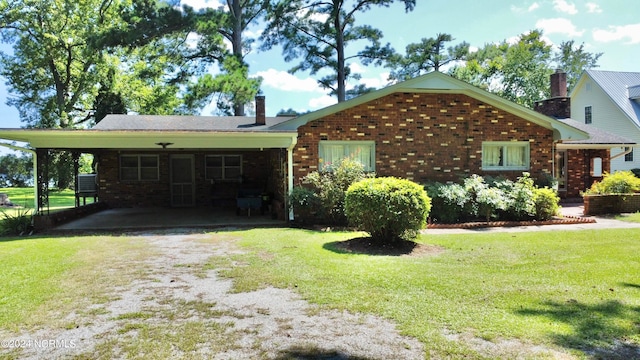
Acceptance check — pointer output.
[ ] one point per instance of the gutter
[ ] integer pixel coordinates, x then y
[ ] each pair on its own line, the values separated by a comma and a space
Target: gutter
626, 150
35, 170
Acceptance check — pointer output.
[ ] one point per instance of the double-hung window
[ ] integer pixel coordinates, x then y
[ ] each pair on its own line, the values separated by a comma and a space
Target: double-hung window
505, 155
223, 167
629, 157
332, 152
139, 167
588, 117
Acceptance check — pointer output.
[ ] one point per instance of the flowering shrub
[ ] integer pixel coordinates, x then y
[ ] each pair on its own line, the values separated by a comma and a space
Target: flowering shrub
499, 199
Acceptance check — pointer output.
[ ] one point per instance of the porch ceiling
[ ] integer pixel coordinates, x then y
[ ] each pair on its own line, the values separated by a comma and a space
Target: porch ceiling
100, 139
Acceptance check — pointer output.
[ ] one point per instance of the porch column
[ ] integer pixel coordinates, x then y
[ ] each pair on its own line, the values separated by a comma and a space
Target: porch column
294, 141
42, 180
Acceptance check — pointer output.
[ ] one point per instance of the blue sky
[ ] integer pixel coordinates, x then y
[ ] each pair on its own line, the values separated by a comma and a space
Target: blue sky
611, 27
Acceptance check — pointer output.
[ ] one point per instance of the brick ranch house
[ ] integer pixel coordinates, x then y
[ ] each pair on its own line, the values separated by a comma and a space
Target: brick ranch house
431, 128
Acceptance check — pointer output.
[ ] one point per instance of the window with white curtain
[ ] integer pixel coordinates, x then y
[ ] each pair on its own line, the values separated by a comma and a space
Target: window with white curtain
332, 152
505, 155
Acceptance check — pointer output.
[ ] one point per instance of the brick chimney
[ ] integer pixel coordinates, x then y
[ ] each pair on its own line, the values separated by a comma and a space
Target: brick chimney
558, 84
261, 118
559, 105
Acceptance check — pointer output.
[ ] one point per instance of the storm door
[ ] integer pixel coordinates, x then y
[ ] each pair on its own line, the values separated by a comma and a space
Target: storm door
182, 180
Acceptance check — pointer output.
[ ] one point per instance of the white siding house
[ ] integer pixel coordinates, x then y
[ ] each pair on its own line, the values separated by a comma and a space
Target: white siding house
610, 101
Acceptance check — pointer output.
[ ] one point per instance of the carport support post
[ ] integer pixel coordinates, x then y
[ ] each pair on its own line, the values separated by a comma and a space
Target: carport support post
290, 176
42, 180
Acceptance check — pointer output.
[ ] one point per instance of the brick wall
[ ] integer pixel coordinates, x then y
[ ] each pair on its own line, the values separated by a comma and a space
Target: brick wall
425, 137
611, 204
579, 169
559, 107
259, 171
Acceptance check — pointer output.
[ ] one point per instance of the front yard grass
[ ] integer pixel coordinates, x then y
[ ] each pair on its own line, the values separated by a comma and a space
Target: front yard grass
573, 291
635, 217
576, 290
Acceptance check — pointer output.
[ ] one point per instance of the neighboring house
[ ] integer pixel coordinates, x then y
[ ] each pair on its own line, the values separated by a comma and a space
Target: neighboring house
431, 128
610, 100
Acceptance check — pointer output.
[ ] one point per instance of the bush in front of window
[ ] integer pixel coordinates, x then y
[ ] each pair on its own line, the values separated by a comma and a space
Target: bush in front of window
329, 187
391, 210
488, 199
620, 182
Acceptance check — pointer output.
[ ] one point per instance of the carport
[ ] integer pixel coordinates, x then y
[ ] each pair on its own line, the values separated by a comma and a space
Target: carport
185, 173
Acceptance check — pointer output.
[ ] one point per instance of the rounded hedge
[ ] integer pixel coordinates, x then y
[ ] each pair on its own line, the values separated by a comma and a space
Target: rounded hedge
388, 208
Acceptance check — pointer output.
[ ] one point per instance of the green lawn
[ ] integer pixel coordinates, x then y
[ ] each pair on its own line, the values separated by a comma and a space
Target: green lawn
573, 291
24, 198
635, 217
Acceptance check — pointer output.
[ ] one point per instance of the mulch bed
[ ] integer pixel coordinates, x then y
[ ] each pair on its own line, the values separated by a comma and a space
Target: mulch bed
567, 220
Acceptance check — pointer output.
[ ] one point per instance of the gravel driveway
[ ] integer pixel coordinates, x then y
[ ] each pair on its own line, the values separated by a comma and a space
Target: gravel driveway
174, 292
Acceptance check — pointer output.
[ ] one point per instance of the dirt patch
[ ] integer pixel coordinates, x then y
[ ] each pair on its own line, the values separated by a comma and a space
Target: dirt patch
177, 309
364, 245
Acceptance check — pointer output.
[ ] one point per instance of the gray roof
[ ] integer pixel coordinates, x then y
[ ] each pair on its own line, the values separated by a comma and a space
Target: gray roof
185, 123
620, 88
596, 136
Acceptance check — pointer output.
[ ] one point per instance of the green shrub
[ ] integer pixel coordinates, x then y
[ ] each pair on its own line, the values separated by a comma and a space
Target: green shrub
493, 198
305, 205
621, 182
546, 203
448, 202
19, 223
322, 201
389, 209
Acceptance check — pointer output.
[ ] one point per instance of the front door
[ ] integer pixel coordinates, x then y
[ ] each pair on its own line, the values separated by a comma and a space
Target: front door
561, 170
182, 180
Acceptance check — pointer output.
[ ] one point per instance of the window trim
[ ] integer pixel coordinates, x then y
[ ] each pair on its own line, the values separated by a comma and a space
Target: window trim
588, 114
347, 144
505, 144
629, 157
139, 166
223, 168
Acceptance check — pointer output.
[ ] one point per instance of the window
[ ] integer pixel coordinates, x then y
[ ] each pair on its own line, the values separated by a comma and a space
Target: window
332, 152
223, 167
629, 157
139, 167
505, 155
587, 115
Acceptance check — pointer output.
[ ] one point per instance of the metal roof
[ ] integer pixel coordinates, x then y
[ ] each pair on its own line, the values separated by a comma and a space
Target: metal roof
620, 86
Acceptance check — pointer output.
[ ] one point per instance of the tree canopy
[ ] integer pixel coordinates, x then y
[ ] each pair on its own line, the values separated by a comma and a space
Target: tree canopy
319, 32
430, 54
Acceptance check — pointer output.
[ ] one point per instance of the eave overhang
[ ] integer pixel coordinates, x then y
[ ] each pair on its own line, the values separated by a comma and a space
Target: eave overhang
148, 140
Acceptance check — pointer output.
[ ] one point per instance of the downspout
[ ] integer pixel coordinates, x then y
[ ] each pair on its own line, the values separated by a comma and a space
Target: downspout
626, 150
35, 170
294, 141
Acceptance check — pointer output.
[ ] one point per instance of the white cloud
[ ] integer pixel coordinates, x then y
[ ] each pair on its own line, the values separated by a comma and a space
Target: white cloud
565, 7
322, 102
376, 82
614, 33
533, 6
593, 8
284, 81
356, 68
202, 4
558, 26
